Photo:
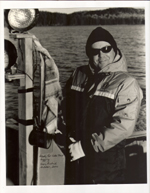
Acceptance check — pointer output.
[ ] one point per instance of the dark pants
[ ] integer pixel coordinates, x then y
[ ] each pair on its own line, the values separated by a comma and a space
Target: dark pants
98, 168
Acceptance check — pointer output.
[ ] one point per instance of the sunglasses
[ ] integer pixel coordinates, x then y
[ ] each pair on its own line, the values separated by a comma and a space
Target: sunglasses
105, 49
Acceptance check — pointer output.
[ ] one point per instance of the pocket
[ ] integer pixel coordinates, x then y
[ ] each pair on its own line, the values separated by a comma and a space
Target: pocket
126, 106
125, 99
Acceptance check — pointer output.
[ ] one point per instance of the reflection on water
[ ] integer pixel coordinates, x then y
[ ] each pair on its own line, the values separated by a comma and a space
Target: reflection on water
67, 47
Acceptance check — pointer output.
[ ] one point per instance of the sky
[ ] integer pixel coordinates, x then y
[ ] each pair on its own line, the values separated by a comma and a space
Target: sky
71, 10
70, 6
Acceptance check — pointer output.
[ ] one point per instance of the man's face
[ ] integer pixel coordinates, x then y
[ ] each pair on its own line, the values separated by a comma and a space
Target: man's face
102, 54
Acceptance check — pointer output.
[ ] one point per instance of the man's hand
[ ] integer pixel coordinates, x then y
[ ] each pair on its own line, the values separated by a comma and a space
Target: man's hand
76, 151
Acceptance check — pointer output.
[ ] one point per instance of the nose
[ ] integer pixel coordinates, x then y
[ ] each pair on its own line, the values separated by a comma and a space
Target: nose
100, 53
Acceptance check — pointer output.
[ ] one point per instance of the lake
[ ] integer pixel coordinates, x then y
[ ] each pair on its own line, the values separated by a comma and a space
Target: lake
67, 47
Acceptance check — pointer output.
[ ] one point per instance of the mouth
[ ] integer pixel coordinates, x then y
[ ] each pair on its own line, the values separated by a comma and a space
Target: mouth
101, 61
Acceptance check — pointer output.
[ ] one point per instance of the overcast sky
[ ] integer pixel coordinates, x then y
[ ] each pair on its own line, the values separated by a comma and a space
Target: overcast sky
70, 6
71, 10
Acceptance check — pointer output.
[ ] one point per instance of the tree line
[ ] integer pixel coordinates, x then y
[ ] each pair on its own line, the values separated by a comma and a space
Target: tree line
109, 16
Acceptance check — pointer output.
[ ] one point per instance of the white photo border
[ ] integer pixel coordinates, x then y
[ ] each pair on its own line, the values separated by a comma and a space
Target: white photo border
132, 188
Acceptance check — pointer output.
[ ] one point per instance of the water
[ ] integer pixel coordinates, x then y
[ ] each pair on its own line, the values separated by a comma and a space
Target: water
67, 47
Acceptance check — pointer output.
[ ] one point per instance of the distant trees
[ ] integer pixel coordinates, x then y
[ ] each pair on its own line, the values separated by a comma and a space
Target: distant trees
108, 17
48, 19
111, 16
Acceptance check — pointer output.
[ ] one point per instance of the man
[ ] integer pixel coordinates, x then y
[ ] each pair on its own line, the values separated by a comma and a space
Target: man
99, 111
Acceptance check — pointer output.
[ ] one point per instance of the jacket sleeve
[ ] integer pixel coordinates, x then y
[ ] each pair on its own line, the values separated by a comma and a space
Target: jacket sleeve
127, 106
62, 137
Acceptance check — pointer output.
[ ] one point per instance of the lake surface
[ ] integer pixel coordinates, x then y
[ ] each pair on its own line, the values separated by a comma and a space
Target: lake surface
67, 47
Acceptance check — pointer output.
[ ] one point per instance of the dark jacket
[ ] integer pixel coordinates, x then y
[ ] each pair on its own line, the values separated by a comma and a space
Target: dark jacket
100, 110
